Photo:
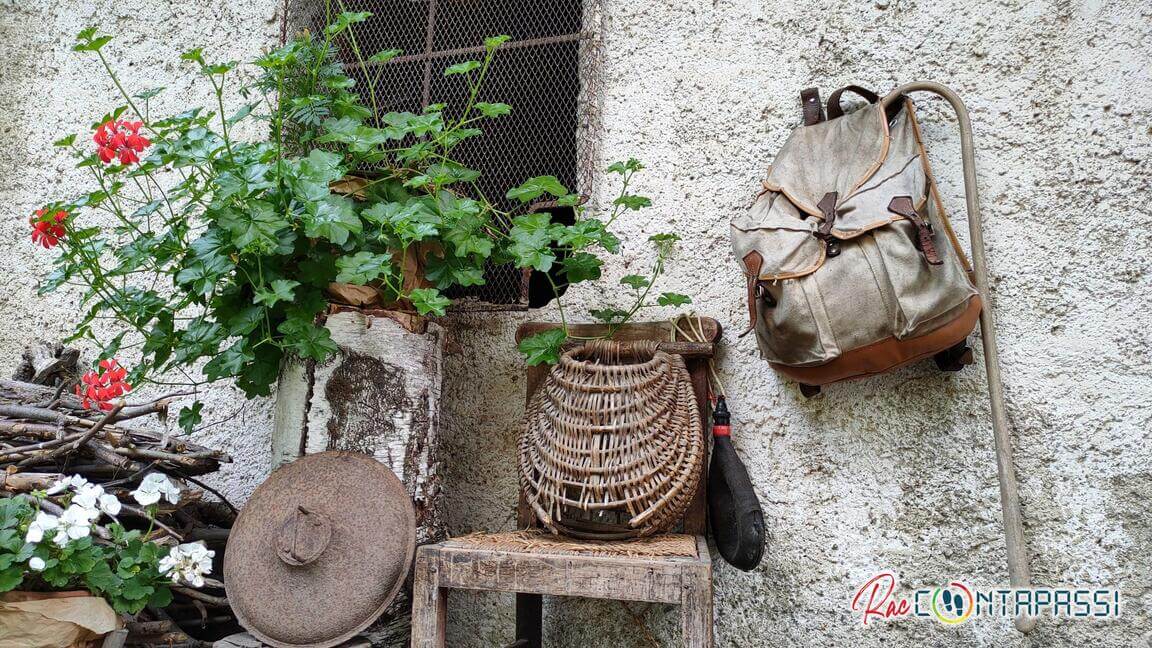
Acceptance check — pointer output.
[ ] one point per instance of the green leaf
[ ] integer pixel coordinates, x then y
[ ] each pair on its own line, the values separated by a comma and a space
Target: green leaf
587, 232
381, 58
533, 188
11, 578
346, 20
363, 267
637, 282
161, 598
257, 229
609, 315
493, 109
190, 417
334, 219
88, 41
225, 365
67, 140
277, 291
461, 68
145, 95
673, 299
633, 202
631, 166
492, 42
195, 55
544, 347
453, 270
429, 301
101, 578
408, 222
531, 236
307, 340
582, 266
244, 111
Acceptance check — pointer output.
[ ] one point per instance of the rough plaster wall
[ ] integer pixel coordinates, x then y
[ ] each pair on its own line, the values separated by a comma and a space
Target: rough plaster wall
47, 91
891, 473
895, 472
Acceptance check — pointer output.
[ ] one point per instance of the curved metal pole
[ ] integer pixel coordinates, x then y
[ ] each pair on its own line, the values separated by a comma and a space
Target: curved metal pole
1019, 573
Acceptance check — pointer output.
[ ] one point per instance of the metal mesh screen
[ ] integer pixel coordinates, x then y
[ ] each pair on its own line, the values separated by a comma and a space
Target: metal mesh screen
537, 73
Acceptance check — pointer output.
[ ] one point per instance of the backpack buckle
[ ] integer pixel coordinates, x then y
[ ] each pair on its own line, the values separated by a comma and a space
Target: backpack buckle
903, 206
827, 207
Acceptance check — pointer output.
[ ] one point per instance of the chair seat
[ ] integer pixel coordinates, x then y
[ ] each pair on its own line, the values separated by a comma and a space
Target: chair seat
538, 541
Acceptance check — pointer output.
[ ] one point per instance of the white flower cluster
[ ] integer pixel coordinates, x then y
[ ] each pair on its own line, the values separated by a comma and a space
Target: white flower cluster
154, 487
188, 562
89, 501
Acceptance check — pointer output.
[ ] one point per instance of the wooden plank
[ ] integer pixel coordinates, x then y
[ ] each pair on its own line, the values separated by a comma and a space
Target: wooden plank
628, 579
429, 601
628, 332
696, 606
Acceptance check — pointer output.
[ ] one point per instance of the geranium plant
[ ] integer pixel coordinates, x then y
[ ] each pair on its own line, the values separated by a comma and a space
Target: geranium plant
218, 252
71, 549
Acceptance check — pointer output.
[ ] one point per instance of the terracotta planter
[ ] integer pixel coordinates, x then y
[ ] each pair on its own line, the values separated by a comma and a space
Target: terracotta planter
54, 620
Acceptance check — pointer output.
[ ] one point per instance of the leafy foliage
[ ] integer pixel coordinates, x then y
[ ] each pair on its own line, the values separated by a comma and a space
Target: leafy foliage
124, 569
223, 249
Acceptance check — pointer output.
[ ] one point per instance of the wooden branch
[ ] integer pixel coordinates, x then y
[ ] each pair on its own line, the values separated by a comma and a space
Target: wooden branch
75, 445
142, 514
22, 451
30, 481
216, 601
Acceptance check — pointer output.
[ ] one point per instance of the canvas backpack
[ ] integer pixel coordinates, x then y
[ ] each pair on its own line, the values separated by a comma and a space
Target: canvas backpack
852, 266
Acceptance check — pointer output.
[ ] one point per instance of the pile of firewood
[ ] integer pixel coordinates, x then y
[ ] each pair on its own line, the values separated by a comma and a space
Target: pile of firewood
41, 427
46, 435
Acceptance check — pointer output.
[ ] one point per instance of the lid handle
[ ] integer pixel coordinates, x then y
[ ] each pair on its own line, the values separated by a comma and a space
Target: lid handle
303, 537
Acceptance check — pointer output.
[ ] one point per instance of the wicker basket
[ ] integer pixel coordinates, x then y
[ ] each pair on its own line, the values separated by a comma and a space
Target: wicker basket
612, 445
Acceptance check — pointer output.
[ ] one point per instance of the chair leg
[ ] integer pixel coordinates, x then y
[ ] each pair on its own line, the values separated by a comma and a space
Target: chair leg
696, 607
530, 620
429, 602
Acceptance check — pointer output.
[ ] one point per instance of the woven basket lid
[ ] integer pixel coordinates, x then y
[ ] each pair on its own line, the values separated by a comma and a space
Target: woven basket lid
320, 550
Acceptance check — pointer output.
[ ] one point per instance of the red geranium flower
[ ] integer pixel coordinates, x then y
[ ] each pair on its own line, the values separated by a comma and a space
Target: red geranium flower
48, 230
99, 389
120, 139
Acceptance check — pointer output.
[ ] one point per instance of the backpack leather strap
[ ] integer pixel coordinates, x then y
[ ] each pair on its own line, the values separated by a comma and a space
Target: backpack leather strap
834, 109
753, 264
811, 107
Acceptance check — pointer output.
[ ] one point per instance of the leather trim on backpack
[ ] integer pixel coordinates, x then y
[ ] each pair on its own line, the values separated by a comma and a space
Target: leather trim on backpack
941, 214
889, 353
753, 261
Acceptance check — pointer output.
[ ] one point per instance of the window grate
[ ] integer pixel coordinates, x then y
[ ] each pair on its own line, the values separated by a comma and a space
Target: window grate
539, 73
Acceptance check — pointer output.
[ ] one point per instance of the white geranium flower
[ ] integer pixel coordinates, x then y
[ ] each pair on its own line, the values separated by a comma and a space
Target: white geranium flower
93, 498
189, 562
156, 486
75, 482
75, 523
41, 523
36, 563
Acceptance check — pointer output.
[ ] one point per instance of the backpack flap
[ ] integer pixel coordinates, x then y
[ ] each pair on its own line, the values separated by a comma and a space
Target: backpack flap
862, 158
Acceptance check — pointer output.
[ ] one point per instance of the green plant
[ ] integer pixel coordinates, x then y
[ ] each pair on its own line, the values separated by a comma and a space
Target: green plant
42, 551
222, 249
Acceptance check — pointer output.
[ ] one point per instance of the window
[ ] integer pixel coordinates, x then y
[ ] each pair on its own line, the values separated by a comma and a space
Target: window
538, 73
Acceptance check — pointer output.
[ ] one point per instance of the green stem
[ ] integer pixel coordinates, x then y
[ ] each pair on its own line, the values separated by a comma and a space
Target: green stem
141, 115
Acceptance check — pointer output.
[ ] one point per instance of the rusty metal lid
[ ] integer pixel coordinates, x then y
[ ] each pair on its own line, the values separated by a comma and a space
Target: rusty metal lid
320, 550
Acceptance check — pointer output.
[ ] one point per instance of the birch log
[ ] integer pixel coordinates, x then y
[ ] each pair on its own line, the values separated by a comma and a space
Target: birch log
380, 395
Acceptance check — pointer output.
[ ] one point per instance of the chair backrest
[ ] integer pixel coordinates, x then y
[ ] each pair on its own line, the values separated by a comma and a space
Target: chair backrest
696, 356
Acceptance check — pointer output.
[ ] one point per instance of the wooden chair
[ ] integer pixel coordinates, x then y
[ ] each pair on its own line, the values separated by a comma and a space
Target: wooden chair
672, 569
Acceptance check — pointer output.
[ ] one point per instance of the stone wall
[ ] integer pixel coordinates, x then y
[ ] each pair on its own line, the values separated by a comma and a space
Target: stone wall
893, 473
